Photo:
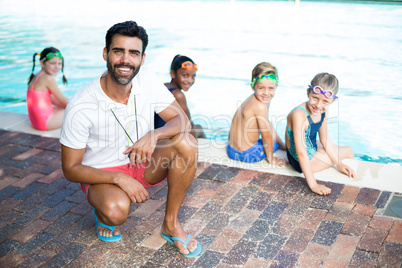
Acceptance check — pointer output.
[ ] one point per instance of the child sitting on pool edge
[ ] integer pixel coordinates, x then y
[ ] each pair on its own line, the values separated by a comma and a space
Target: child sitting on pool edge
304, 152
183, 72
45, 101
251, 119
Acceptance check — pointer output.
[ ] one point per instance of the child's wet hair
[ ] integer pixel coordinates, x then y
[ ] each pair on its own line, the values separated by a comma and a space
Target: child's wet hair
43, 55
326, 81
178, 61
127, 28
263, 68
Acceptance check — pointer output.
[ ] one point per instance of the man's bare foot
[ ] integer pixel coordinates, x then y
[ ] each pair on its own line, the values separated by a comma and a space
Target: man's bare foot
107, 232
180, 233
104, 231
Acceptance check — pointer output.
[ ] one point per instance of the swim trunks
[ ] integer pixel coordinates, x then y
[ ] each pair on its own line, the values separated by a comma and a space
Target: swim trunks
310, 136
136, 172
253, 154
40, 106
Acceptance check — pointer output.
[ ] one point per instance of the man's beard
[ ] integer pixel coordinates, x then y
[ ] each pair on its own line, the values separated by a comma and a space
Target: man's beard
119, 79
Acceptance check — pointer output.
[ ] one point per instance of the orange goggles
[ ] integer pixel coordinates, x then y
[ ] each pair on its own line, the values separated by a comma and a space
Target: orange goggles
188, 65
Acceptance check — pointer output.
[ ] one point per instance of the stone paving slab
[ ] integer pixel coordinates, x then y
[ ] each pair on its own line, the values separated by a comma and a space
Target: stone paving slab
241, 217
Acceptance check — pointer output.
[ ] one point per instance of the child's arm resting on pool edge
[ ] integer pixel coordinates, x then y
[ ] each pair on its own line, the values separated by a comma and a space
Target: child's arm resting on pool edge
330, 149
298, 120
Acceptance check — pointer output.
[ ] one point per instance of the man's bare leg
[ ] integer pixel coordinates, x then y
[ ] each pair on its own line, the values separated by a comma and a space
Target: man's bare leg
112, 206
175, 158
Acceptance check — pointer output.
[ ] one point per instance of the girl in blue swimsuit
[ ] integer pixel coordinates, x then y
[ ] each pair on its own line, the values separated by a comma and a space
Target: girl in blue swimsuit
304, 152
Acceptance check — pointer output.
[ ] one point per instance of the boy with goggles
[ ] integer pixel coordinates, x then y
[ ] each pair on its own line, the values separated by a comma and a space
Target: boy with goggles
305, 153
252, 136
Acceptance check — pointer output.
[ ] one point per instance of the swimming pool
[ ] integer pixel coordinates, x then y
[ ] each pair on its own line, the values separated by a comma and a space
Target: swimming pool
358, 42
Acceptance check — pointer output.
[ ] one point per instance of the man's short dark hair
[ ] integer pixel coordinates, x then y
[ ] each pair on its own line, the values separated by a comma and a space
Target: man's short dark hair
127, 28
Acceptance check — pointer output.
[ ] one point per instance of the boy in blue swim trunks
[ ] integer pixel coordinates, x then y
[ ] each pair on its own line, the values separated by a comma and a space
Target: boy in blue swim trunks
251, 121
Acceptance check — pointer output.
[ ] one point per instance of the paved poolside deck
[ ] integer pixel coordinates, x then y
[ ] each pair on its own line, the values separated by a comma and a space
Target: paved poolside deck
244, 216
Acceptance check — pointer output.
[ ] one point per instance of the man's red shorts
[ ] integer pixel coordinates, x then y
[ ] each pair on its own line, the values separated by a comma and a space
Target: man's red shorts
136, 172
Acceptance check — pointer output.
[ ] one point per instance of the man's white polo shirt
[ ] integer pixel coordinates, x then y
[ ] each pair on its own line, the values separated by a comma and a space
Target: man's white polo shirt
89, 122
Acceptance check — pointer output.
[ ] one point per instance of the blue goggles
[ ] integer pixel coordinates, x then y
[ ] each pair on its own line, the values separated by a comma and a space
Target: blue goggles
327, 93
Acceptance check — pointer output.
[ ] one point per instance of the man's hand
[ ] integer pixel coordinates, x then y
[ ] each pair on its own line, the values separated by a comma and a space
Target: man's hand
135, 190
143, 149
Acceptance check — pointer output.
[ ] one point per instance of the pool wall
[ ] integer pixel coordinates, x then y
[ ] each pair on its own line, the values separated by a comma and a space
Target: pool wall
385, 177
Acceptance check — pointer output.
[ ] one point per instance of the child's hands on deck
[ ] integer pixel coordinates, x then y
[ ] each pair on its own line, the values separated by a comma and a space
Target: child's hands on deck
346, 170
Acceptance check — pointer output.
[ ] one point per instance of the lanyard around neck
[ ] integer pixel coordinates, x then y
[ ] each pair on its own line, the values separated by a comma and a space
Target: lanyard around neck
136, 122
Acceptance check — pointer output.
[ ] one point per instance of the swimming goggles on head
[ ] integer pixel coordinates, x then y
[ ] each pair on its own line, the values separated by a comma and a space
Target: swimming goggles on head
328, 93
188, 65
51, 55
267, 76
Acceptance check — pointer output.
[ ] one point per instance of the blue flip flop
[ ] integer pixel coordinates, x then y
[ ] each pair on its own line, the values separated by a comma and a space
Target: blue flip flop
113, 238
171, 240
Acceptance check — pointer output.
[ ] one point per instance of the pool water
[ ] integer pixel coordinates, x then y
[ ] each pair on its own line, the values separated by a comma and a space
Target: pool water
358, 42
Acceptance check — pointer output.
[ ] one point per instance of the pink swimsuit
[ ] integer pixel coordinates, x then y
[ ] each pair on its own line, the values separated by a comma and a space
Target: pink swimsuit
40, 106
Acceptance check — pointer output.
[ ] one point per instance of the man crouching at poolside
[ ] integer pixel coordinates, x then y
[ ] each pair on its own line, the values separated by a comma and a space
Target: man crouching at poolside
110, 147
